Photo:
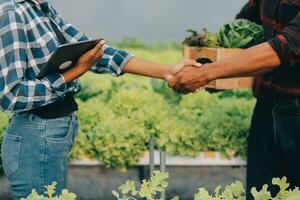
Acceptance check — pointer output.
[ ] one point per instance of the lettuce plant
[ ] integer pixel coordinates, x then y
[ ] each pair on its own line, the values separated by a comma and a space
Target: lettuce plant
49, 194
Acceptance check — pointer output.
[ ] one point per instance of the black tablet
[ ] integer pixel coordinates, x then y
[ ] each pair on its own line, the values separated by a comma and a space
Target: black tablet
66, 56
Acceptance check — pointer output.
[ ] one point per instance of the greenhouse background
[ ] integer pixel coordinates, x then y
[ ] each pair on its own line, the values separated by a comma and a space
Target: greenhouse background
204, 122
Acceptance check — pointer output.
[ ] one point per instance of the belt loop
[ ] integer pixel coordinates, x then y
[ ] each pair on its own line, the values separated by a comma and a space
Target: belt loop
30, 116
297, 102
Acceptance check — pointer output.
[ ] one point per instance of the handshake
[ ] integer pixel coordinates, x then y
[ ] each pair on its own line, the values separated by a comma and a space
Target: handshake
188, 76
184, 77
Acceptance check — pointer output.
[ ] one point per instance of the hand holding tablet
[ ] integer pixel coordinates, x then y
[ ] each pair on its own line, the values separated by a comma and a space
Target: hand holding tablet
83, 55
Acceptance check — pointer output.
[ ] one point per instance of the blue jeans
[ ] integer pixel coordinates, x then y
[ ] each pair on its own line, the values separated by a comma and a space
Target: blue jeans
35, 152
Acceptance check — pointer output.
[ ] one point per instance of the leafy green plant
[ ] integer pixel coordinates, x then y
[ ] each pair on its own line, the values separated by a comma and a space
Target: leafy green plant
219, 124
234, 191
204, 39
148, 190
285, 192
49, 194
241, 33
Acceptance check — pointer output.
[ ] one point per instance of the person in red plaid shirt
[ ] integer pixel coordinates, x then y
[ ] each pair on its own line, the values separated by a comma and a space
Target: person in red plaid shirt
274, 141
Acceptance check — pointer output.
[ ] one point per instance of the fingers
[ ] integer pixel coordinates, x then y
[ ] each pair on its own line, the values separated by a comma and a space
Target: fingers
190, 62
98, 48
177, 86
100, 44
172, 82
188, 79
99, 54
180, 85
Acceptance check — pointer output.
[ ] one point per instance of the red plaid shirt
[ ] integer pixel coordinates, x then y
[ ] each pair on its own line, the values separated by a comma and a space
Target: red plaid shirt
281, 22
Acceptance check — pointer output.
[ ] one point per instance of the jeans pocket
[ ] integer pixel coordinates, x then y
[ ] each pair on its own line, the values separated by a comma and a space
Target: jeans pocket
60, 138
11, 150
60, 129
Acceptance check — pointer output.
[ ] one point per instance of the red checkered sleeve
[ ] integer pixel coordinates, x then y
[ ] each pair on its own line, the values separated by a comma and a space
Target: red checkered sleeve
287, 43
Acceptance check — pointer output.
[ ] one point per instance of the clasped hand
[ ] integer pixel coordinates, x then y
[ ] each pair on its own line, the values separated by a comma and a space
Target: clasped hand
188, 76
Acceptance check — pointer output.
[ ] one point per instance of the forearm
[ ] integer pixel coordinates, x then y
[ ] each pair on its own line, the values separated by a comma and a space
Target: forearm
255, 60
147, 68
73, 74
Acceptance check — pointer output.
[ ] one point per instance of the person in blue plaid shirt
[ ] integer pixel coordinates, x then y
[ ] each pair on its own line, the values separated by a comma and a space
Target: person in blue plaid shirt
43, 127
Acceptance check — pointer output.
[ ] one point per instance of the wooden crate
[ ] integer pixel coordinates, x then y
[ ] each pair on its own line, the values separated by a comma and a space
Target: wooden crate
217, 54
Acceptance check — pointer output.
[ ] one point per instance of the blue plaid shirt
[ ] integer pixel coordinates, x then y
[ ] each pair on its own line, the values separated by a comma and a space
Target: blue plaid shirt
26, 43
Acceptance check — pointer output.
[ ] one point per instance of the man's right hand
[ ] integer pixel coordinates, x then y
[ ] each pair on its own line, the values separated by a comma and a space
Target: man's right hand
85, 62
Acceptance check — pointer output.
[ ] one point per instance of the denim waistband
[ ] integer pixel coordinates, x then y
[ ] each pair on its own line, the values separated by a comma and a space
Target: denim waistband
27, 118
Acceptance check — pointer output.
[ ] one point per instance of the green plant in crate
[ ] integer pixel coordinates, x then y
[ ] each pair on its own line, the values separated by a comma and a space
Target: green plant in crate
204, 39
241, 33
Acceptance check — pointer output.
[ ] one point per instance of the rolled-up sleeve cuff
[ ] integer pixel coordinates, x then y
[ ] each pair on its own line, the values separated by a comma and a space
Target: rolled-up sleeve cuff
284, 50
127, 58
113, 61
277, 44
58, 84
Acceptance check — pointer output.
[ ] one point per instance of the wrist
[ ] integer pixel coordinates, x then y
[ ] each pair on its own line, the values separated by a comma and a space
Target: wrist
74, 73
210, 72
167, 74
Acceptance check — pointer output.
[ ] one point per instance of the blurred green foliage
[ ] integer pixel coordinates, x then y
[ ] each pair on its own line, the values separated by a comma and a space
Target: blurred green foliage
3, 124
119, 115
134, 43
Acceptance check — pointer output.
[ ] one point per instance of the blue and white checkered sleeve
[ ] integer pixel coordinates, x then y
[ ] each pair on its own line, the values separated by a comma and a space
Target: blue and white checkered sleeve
113, 60
16, 92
